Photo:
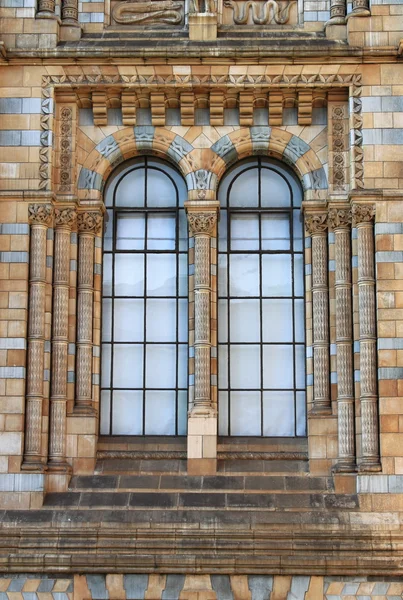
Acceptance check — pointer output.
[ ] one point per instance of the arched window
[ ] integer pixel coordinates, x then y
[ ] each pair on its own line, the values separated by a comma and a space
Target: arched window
145, 319
261, 332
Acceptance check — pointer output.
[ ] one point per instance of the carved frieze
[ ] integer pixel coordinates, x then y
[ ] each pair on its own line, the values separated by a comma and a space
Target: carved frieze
154, 12
256, 12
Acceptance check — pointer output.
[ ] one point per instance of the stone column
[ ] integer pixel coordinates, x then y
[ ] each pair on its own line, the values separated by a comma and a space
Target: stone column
316, 226
40, 217
70, 29
202, 421
88, 224
363, 215
339, 220
64, 220
46, 9
360, 9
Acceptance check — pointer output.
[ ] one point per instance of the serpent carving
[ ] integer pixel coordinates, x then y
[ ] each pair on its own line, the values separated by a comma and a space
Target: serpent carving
131, 13
260, 12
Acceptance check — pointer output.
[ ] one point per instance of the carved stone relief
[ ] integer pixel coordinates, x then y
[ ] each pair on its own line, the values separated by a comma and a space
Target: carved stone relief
158, 12
259, 12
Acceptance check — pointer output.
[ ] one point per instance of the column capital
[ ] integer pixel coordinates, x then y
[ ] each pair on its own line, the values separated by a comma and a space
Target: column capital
40, 214
339, 217
65, 217
362, 213
89, 222
202, 221
316, 223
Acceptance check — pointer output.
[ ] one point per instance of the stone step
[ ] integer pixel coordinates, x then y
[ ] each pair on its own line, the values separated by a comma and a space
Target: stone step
278, 466
200, 501
217, 483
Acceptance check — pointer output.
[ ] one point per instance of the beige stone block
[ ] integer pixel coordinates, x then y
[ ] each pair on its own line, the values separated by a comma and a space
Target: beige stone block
392, 444
202, 425
87, 445
209, 446
81, 425
194, 446
281, 587
202, 466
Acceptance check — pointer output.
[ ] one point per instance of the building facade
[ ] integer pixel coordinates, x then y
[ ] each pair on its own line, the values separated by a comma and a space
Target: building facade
201, 266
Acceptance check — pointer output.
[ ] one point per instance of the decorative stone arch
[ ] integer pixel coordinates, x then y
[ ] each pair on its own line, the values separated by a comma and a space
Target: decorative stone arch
128, 143
272, 141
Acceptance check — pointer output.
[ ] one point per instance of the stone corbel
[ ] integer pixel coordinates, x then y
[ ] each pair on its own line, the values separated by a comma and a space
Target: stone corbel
40, 218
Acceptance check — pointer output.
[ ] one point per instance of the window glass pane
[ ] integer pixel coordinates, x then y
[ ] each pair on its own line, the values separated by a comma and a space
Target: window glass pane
183, 231
222, 275
106, 320
278, 367
130, 231
160, 366
300, 366
127, 412
161, 232
160, 189
275, 191
105, 413
298, 230
183, 321
130, 190
183, 275
182, 412
223, 413
223, 367
161, 320
222, 232
182, 365
161, 275
278, 413
244, 232
244, 275
128, 366
108, 233
298, 275
299, 321
244, 190
275, 231
129, 275
106, 365
128, 320
244, 321
276, 275
107, 275
160, 412
245, 413
277, 320
245, 367
301, 413
222, 321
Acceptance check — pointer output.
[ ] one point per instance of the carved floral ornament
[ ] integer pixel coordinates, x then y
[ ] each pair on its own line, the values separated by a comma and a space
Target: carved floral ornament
316, 223
363, 213
65, 217
202, 222
339, 217
89, 222
40, 214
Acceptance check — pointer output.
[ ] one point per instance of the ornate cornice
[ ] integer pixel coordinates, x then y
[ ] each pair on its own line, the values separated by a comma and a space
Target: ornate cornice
316, 223
362, 213
89, 222
40, 214
202, 222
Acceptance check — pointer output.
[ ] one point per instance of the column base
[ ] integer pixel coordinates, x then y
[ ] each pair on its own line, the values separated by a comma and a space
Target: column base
359, 12
46, 14
86, 410
59, 467
336, 31
320, 411
369, 466
203, 27
202, 443
34, 466
70, 32
345, 466
57, 482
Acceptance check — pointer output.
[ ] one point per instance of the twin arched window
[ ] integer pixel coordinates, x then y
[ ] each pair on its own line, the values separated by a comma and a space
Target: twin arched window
260, 298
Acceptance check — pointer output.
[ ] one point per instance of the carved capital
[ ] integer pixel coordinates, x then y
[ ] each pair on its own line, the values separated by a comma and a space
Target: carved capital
339, 217
316, 223
362, 213
40, 214
89, 222
65, 217
202, 222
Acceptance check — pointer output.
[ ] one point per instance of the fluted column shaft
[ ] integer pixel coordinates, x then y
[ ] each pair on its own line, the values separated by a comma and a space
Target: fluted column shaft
89, 224
40, 217
363, 216
202, 225
316, 225
339, 220
64, 219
